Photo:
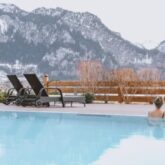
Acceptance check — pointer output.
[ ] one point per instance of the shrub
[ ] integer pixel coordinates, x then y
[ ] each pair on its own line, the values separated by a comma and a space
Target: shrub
2, 96
89, 97
54, 93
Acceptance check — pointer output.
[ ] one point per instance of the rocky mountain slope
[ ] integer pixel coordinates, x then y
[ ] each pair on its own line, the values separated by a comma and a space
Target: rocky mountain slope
54, 41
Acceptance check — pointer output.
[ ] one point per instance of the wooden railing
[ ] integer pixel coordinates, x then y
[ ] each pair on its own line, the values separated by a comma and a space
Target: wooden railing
112, 91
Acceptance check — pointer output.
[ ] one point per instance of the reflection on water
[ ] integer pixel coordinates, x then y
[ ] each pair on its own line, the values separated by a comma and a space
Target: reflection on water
2, 151
78, 140
135, 150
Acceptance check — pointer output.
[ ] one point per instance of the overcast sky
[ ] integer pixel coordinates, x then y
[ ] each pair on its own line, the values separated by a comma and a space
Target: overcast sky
139, 21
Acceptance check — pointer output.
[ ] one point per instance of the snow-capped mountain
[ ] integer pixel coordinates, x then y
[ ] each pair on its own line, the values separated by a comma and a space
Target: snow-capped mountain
161, 47
10, 8
54, 41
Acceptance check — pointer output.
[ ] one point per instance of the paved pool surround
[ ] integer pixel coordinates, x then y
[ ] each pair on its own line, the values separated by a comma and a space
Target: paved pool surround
90, 109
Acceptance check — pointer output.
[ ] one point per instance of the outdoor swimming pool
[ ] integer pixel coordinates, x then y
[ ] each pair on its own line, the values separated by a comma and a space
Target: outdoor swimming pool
69, 139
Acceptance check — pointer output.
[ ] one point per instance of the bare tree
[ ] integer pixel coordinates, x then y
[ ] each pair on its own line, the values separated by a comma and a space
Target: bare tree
149, 75
149, 79
125, 79
90, 72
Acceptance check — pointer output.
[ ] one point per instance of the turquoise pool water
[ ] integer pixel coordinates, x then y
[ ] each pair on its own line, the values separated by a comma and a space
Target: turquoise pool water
66, 139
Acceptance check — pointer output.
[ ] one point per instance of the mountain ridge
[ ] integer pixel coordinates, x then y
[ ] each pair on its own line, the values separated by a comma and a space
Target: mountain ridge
54, 41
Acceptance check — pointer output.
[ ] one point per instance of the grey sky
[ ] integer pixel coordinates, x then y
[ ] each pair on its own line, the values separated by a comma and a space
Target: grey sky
139, 21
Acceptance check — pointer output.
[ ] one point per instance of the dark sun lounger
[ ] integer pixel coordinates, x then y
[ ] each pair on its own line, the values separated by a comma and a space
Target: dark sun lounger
17, 88
42, 97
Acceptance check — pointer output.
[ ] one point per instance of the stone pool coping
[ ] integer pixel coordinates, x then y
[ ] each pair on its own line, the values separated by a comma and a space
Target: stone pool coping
90, 109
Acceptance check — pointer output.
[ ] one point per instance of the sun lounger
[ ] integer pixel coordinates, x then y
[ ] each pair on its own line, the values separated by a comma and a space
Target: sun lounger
18, 89
42, 97
74, 98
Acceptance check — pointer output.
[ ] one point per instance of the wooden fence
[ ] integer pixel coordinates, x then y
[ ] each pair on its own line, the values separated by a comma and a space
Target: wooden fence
111, 91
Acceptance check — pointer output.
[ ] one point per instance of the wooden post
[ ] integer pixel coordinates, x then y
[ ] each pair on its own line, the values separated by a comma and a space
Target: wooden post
120, 94
46, 80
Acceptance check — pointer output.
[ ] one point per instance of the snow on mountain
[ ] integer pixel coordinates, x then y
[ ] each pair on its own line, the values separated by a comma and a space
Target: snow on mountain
149, 44
161, 47
54, 41
10, 8
3, 26
49, 12
18, 67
